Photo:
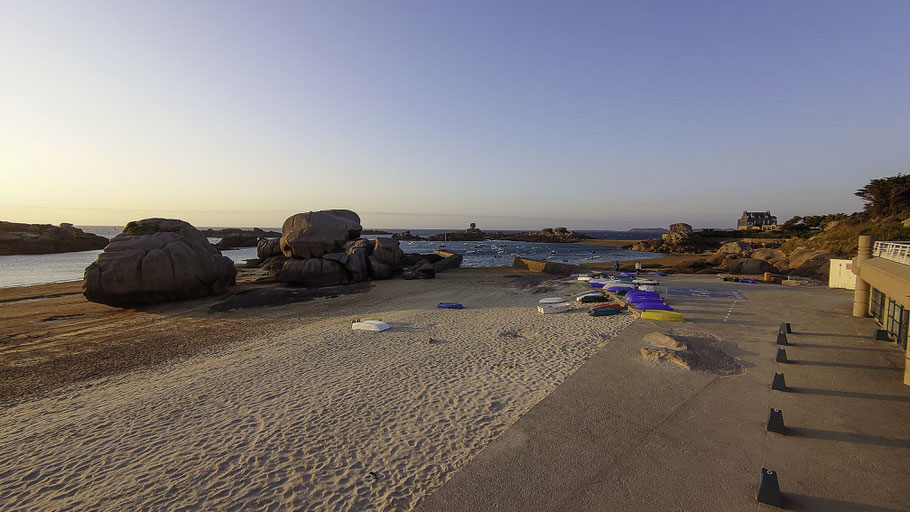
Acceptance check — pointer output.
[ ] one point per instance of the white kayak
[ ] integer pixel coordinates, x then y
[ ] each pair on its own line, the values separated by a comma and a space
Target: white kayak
551, 300
584, 278
647, 288
596, 293
644, 281
553, 308
370, 325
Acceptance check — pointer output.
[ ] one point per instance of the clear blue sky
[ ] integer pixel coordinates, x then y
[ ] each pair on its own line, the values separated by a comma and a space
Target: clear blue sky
435, 114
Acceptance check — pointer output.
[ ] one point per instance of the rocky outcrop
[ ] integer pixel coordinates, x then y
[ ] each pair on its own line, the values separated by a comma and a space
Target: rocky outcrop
312, 234
18, 238
234, 241
750, 266
225, 232
157, 260
342, 257
680, 239
407, 236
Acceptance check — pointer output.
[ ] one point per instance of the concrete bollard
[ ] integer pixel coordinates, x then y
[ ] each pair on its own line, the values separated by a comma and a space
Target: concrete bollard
776, 422
781, 339
781, 355
785, 328
768, 490
778, 384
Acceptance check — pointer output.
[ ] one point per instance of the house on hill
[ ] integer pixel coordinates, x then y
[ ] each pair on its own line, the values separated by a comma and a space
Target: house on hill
757, 220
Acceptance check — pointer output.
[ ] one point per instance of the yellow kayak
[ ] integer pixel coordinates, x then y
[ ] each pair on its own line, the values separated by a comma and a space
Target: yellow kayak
666, 316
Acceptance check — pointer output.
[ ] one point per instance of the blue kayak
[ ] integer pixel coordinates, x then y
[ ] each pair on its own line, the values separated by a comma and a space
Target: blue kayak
449, 305
653, 305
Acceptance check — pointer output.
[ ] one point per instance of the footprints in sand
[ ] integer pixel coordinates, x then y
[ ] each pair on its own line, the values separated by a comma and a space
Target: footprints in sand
312, 419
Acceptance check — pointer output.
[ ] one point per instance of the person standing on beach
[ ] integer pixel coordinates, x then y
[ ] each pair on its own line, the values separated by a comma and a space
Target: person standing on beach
637, 267
616, 266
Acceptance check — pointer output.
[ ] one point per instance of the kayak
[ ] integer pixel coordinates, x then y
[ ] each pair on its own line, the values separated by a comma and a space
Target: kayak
611, 305
604, 312
449, 305
653, 305
615, 289
593, 298
666, 316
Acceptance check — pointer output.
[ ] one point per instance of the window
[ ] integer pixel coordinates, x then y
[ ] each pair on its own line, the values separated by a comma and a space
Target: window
877, 305
898, 321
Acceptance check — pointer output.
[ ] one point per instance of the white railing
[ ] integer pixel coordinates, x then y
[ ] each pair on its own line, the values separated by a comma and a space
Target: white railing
894, 251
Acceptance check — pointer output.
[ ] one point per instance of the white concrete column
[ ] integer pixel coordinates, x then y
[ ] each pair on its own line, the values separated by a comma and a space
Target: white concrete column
861, 295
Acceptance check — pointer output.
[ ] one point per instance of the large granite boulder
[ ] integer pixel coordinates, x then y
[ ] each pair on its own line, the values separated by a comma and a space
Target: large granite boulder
378, 269
312, 234
742, 248
749, 266
388, 251
810, 263
313, 272
157, 260
268, 247
774, 257
357, 263
18, 238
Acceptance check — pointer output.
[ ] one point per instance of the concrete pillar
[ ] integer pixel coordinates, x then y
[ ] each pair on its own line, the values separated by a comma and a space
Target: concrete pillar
861, 295
907, 367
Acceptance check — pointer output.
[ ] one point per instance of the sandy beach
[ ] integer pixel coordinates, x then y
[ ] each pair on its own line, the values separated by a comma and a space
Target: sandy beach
277, 407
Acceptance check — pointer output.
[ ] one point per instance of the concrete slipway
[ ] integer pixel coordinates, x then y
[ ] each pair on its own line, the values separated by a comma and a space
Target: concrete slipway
623, 433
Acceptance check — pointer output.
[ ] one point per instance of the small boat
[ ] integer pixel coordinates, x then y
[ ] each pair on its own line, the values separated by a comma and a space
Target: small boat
449, 305
553, 308
584, 278
593, 298
617, 289
646, 305
604, 312
552, 252
579, 297
664, 316
611, 305
369, 325
644, 281
551, 300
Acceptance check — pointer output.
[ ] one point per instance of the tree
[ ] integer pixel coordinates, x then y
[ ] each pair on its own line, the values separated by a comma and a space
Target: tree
887, 196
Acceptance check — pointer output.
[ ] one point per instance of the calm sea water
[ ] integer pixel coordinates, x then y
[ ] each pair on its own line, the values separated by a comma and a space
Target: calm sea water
29, 270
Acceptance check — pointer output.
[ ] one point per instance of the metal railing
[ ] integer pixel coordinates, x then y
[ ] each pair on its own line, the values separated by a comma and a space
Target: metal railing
894, 251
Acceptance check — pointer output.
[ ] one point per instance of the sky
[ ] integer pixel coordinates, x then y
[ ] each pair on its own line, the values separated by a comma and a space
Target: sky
431, 114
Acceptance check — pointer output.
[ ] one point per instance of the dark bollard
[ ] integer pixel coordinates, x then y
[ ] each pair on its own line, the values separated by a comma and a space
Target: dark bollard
781, 338
778, 384
768, 490
776, 422
781, 355
785, 328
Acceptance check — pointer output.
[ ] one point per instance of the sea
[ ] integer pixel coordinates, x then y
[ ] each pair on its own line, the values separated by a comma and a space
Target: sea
27, 270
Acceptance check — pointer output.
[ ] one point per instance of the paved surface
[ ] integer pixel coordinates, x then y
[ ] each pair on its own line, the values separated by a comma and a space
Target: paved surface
625, 434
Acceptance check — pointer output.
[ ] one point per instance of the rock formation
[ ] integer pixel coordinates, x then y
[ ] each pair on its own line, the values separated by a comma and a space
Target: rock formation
680, 239
323, 249
157, 260
17, 238
312, 234
233, 241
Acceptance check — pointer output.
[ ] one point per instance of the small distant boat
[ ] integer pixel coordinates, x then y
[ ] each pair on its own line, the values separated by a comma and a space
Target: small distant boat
441, 246
552, 252
479, 245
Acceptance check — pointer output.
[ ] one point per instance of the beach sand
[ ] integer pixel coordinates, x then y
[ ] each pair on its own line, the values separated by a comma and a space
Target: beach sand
278, 407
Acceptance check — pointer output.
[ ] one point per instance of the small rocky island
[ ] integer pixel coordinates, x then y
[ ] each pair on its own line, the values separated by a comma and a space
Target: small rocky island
473, 234
18, 238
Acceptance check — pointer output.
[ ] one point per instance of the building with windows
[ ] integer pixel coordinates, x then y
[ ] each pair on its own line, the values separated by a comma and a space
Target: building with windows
757, 220
883, 289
